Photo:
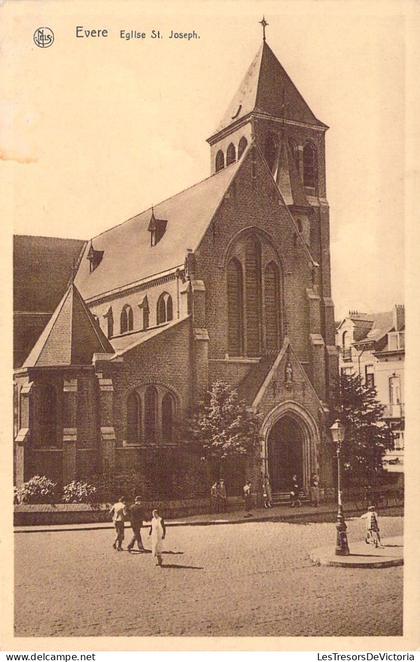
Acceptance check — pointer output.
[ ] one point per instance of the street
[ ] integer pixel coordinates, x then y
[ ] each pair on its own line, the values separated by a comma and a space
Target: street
254, 578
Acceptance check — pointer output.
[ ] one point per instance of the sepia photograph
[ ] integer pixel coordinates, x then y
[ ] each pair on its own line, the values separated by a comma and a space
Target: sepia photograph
208, 319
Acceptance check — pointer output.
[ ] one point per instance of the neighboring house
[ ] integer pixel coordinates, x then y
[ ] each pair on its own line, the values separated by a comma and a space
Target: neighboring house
227, 280
373, 347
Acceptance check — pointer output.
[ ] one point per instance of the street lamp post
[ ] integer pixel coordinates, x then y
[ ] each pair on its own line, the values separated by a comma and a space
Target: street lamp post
341, 545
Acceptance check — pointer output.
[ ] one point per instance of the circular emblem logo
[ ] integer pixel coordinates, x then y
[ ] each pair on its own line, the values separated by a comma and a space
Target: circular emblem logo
43, 37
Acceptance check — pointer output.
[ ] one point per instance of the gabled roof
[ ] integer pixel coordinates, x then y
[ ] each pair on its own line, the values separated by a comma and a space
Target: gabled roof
42, 268
128, 255
267, 88
71, 337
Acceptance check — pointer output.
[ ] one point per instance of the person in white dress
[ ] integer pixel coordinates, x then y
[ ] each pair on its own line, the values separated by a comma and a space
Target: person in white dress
158, 532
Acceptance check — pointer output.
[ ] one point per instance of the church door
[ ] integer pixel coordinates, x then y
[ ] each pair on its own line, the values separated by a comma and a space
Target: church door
285, 454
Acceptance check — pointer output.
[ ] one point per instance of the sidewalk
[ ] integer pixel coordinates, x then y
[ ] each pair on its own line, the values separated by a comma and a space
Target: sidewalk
363, 555
325, 512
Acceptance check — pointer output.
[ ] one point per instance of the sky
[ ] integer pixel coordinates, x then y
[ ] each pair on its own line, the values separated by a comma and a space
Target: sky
95, 130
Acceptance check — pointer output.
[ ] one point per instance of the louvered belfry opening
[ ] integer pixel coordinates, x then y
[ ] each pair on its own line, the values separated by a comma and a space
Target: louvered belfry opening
253, 296
271, 305
235, 306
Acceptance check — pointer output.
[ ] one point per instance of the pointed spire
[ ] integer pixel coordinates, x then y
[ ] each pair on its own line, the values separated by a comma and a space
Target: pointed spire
71, 337
266, 88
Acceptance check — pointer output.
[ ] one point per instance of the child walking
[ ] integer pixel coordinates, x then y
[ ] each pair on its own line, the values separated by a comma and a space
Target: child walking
372, 527
158, 532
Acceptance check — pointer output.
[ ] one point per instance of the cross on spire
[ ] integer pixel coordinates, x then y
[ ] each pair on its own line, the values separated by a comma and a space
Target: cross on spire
264, 25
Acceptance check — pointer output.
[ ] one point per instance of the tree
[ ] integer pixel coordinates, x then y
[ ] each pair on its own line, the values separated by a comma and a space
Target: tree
367, 435
225, 426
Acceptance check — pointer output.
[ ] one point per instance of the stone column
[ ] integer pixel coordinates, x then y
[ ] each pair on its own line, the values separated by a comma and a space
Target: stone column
23, 435
106, 422
69, 430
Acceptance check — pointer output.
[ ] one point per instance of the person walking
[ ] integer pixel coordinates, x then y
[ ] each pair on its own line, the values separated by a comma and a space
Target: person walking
136, 515
119, 512
214, 506
158, 533
315, 490
247, 498
294, 492
221, 496
372, 527
267, 494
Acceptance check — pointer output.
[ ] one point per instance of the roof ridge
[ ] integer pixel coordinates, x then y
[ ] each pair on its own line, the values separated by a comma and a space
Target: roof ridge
154, 206
98, 332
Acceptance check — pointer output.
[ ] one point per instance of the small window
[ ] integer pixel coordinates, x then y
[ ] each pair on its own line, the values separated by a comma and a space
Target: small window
309, 166
243, 143
164, 311
126, 319
220, 160
394, 390
230, 154
396, 340
369, 375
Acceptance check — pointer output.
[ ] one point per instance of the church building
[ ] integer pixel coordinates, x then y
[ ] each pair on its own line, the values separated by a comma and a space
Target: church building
229, 281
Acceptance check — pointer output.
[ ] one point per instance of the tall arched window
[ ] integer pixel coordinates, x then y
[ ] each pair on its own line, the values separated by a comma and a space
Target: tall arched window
168, 410
230, 154
150, 413
253, 296
270, 150
48, 415
272, 307
164, 310
126, 319
309, 166
133, 418
243, 143
235, 306
220, 160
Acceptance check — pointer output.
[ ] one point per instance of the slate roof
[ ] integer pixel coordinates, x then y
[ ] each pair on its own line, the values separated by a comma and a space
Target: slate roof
125, 343
267, 88
71, 337
42, 268
128, 255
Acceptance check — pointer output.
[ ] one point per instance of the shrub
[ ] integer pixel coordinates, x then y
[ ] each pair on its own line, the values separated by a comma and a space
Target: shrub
79, 492
39, 489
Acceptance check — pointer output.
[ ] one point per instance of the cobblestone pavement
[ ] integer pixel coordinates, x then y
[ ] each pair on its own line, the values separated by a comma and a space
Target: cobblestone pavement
239, 579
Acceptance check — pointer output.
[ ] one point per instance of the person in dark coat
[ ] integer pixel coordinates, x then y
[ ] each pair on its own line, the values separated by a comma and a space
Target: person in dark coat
294, 492
136, 515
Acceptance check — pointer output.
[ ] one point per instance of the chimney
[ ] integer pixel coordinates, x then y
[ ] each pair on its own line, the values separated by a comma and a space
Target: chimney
398, 315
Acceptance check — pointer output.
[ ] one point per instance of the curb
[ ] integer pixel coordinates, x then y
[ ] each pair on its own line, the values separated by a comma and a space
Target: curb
325, 556
312, 515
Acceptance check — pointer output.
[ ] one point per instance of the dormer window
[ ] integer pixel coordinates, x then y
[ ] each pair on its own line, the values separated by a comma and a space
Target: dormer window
157, 228
396, 340
94, 257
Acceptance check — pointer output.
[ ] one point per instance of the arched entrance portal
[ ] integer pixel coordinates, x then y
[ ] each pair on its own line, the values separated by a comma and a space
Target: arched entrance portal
285, 453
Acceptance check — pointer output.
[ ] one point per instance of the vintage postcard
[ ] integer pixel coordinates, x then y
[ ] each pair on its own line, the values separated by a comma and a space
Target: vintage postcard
206, 205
